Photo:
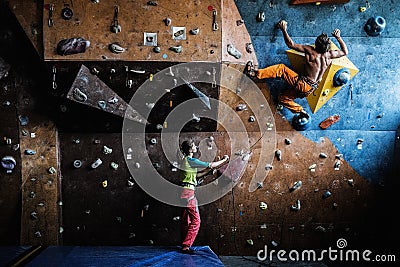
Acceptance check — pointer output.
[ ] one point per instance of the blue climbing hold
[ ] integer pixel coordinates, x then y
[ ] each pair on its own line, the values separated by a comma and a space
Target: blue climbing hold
301, 121
341, 77
375, 26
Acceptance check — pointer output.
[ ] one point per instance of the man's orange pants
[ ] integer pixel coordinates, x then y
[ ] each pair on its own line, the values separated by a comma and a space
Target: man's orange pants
296, 85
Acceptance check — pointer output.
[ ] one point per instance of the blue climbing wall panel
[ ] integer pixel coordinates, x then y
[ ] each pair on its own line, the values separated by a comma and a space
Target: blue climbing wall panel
369, 105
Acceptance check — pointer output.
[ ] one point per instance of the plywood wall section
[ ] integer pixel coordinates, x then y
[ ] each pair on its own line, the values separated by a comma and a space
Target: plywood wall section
92, 21
40, 174
29, 16
40, 223
235, 34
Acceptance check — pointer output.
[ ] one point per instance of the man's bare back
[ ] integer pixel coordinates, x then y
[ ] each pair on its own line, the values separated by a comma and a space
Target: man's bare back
316, 63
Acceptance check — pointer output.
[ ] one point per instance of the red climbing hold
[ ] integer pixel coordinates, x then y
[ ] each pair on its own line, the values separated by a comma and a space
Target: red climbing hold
329, 121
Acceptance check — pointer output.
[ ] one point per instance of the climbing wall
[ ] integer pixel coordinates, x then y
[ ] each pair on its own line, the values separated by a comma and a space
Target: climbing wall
137, 20
104, 205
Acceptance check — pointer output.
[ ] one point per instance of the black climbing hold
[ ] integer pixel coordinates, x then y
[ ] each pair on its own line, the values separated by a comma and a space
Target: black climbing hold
67, 13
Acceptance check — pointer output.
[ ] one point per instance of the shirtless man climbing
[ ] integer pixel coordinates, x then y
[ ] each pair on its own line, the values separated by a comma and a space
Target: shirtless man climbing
317, 60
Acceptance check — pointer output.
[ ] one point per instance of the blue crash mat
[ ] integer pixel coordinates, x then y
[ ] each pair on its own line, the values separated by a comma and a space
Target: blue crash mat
130, 256
9, 253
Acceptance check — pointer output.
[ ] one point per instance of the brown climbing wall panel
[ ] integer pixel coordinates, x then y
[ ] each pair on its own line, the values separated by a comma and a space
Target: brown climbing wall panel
10, 197
40, 223
29, 16
234, 33
92, 21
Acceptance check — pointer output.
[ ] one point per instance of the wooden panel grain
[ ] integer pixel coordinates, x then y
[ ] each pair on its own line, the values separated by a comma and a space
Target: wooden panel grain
29, 16
92, 22
236, 34
40, 221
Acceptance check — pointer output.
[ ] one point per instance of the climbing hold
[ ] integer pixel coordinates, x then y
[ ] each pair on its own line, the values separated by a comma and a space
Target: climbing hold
102, 104
252, 118
326, 194
194, 31
176, 49
8, 163
301, 121
241, 107
179, 34
337, 165
296, 185
104, 183
278, 154
261, 16
37, 234
30, 152
362, 9
116, 48
250, 242
329, 121
107, 150
52, 170
249, 48
323, 155
72, 46
157, 49
153, 141
268, 167
312, 167
94, 71
375, 26
114, 165
130, 183
167, 21
34, 215
77, 164
96, 163
195, 118
320, 228
79, 95
113, 100
263, 205
67, 13
296, 207
239, 22
233, 51
288, 141
341, 77
23, 120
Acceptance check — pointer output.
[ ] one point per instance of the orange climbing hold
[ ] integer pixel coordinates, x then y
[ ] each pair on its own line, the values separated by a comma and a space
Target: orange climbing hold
329, 121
